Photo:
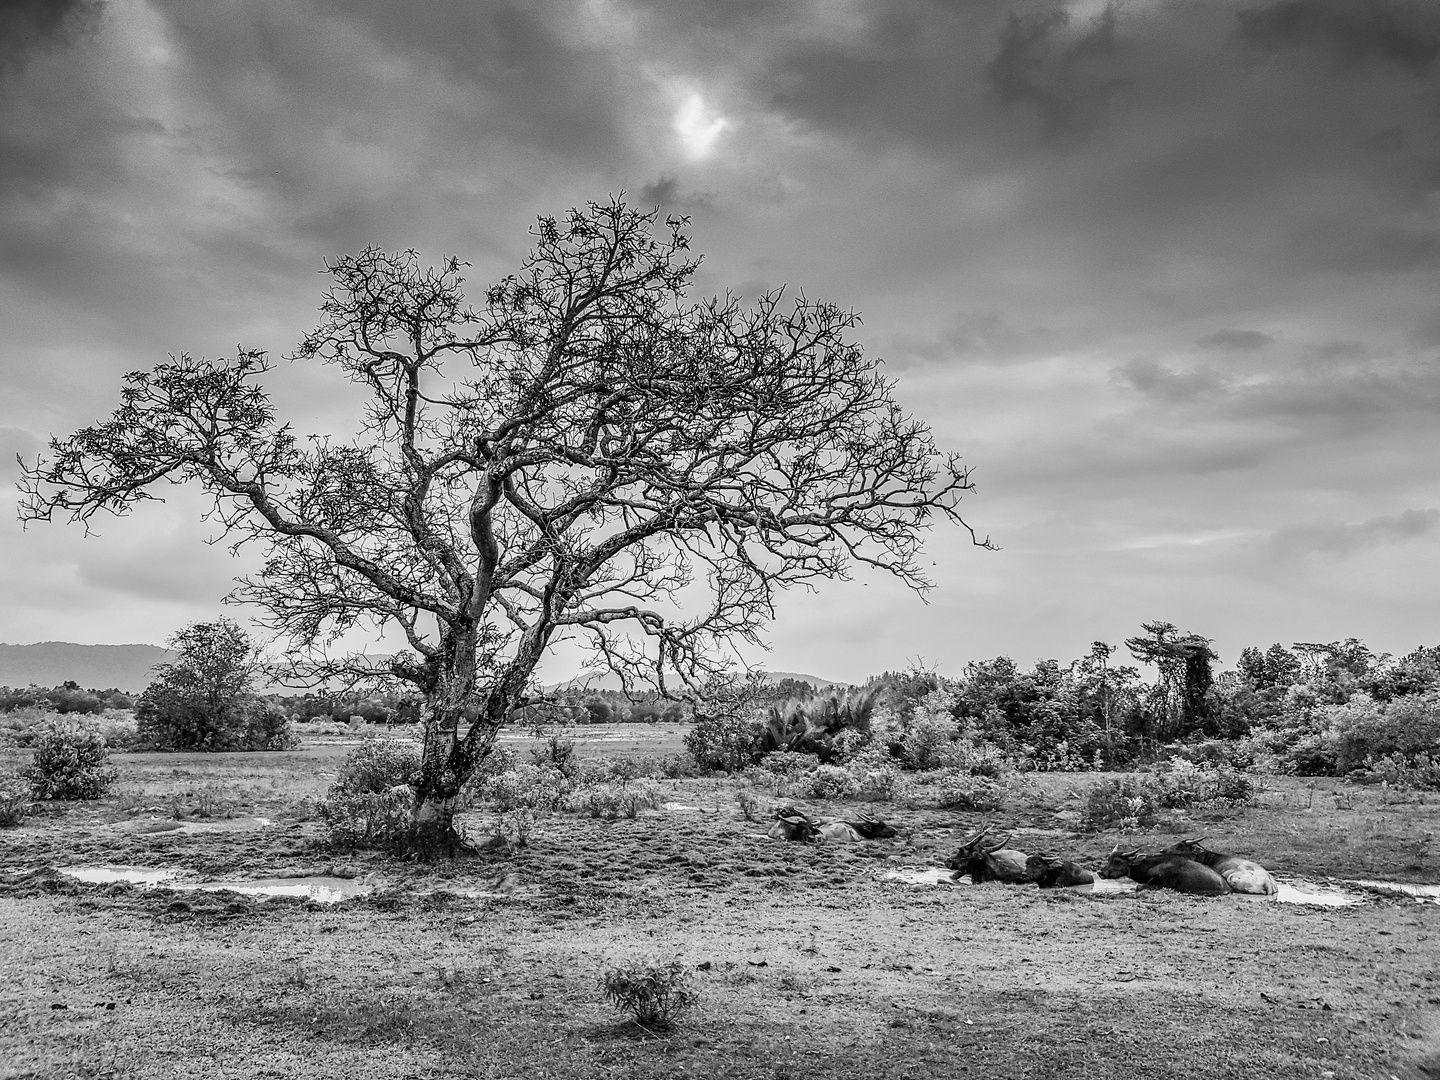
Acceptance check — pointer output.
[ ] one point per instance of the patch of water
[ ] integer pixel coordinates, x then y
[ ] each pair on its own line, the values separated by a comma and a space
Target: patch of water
680, 808
145, 877
1306, 892
1425, 894
322, 890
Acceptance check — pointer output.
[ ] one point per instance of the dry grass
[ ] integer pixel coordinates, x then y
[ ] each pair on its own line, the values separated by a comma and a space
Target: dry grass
805, 962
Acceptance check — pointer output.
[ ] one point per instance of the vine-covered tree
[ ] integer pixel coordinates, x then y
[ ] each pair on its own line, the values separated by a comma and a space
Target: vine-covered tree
588, 453
1186, 675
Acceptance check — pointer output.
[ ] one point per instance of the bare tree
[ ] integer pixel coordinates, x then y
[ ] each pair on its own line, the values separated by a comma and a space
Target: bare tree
588, 454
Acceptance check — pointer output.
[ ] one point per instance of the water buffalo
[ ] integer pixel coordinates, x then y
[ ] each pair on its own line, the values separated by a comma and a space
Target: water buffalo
867, 826
1165, 872
793, 826
1050, 872
1242, 875
986, 858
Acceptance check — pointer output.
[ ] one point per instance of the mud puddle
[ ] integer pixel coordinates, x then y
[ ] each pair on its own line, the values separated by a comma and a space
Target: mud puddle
321, 889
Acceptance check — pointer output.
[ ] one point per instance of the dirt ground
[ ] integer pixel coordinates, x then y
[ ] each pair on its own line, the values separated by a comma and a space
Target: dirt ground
805, 960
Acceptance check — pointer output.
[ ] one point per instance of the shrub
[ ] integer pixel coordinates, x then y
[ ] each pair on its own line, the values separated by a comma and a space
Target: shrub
70, 763
378, 765
611, 800
1184, 784
957, 789
370, 818
1125, 802
789, 763
14, 799
753, 807
829, 782
1365, 730
653, 994
877, 784
533, 787
1313, 755
928, 741
727, 741
1418, 773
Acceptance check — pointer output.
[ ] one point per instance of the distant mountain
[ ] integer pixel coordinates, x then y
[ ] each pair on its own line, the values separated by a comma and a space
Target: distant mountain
99, 667
612, 682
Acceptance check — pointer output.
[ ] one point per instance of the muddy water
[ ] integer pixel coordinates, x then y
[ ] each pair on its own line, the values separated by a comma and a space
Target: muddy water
323, 890
1342, 894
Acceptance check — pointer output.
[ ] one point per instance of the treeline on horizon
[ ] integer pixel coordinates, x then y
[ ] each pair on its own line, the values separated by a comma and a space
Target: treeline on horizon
1314, 708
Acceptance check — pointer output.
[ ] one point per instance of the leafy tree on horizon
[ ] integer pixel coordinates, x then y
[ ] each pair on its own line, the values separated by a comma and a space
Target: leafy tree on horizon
589, 454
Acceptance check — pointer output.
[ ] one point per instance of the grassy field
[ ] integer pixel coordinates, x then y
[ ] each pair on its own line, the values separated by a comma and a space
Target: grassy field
806, 960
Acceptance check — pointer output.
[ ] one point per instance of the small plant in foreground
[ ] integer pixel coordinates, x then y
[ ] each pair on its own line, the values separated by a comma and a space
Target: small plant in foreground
653, 994
70, 763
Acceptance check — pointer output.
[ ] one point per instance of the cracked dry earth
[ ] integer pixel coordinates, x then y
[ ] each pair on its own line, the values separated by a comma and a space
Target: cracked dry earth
806, 962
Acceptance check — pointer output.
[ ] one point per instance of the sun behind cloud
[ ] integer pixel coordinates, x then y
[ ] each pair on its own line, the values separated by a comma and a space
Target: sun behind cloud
698, 126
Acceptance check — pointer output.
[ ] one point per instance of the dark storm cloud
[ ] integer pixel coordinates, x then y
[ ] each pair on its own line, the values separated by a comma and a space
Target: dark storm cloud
31, 26
1176, 385
1403, 32
1347, 538
1236, 340
1068, 79
666, 193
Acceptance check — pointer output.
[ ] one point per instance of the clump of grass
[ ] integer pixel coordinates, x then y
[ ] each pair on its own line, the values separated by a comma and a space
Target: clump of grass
655, 995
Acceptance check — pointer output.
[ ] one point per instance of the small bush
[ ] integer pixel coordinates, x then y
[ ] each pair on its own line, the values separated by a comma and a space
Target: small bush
1418, 773
828, 782
727, 742
378, 765
1124, 802
655, 995
928, 742
531, 786
877, 784
754, 807
957, 789
1183, 785
14, 799
70, 763
368, 819
789, 763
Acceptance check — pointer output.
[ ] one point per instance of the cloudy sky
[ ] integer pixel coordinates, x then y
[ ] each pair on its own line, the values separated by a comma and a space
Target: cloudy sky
1164, 271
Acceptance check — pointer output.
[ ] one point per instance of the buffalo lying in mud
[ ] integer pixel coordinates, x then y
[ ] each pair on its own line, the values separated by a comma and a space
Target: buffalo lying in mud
793, 825
1050, 872
1242, 875
1165, 872
986, 858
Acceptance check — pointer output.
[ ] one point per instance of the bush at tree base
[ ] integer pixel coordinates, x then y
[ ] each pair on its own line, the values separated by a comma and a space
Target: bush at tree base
70, 763
371, 802
959, 789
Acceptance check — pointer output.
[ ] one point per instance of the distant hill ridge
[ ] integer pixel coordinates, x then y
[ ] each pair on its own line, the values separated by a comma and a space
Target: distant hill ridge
127, 667
51, 663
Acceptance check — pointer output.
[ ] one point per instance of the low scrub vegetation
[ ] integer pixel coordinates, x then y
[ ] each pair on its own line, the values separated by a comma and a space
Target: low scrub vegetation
15, 799
371, 801
70, 763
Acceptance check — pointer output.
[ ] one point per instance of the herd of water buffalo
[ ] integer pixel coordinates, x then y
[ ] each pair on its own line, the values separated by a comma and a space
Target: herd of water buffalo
1188, 866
